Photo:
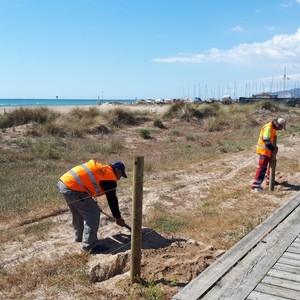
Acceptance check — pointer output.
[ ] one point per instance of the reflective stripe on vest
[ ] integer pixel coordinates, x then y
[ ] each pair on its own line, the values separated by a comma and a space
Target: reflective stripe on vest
86, 177
91, 176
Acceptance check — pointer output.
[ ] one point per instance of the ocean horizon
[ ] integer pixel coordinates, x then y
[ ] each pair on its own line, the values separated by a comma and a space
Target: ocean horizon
14, 102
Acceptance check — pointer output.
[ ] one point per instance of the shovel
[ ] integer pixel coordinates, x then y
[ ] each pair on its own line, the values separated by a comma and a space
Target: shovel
113, 219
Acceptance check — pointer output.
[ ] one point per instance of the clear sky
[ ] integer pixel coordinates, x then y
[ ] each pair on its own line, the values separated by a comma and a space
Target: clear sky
125, 49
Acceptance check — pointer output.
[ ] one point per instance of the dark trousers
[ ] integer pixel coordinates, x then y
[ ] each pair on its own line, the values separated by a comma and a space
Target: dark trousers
85, 215
262, 171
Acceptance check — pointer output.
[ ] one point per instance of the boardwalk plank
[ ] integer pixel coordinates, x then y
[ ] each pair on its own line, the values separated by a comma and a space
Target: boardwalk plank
293, 249
278, 291
242, 279
261, 296
286, 268
281, 282
297, 243
284, 275
208, 278
291, 255
289, 261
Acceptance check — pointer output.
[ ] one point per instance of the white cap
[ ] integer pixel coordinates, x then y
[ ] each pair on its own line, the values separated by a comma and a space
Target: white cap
282, 122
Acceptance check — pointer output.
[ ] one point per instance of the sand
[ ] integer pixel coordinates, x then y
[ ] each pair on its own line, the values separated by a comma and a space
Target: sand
151, 108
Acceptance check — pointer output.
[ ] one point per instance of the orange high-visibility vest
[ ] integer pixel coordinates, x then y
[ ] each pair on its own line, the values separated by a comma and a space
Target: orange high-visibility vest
86, 177
266, 132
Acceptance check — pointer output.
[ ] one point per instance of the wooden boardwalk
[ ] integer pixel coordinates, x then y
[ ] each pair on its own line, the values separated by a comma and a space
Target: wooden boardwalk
264, 265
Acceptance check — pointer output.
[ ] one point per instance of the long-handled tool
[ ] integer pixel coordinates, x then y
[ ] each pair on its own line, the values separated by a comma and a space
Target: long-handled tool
112, 218
273, 167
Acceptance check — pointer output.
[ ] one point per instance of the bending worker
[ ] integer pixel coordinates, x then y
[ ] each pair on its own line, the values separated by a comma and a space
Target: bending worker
265, 148
78, 186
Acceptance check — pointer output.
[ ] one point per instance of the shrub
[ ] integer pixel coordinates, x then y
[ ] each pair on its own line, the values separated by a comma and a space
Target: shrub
158, 123
266, 104
76, 123
80, 113
187, 111
215, 124
145, 134
118, 117
210, 110
174, 109
21, 116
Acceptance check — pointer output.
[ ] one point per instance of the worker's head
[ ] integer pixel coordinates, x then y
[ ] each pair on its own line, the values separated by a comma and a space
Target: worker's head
119, 169
280, 123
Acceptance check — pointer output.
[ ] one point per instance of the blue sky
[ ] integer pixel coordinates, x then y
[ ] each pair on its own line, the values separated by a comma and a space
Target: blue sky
125, 49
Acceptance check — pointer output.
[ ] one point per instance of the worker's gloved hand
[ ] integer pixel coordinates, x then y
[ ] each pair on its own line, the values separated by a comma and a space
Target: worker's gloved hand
120, 221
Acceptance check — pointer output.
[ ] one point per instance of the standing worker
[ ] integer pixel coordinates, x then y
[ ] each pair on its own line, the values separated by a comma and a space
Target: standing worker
79, 186
266, 149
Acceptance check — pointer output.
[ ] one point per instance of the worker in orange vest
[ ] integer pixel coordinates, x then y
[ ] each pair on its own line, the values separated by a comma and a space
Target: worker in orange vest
265, 149
79, 186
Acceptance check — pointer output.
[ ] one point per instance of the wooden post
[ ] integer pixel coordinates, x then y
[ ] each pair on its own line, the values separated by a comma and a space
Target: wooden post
273, 167
136, 231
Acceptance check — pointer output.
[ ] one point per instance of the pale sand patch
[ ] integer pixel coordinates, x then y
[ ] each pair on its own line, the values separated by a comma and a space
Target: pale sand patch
150, 108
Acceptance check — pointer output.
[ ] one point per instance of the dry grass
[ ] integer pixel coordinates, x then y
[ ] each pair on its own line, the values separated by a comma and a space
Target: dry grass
227, 214
64, 273
33, 158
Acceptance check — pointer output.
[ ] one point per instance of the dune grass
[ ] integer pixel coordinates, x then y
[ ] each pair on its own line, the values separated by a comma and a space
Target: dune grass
51, 143
36, 161
63, 273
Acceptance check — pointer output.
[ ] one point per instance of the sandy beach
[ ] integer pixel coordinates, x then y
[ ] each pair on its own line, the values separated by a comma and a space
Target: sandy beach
151, 108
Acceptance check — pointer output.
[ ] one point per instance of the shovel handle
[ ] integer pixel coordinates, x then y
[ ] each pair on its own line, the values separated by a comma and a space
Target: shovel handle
113, 219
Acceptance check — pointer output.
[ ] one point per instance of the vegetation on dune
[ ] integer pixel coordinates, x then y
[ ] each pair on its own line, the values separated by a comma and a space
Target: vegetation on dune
38, 145
50, 142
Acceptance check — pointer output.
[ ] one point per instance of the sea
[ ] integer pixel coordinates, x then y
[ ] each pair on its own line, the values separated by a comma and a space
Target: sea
9, 102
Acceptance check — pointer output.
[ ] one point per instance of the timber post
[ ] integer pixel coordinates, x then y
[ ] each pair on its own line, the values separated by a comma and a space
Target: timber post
273, 167
137, 208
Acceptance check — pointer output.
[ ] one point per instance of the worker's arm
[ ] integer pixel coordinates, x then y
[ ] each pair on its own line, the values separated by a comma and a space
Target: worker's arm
269, 145
109, 187
267, 140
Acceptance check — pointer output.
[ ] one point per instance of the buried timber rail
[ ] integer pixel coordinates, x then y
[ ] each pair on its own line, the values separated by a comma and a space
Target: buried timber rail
136, 234
281, 229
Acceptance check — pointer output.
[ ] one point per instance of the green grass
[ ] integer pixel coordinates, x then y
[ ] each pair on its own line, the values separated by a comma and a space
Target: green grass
145, 133
169, 224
